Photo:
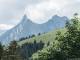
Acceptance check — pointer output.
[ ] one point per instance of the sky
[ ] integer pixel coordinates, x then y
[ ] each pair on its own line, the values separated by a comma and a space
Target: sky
38, 11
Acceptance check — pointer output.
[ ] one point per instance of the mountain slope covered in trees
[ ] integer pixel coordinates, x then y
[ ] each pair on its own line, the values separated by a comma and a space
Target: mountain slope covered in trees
39, 42
67, 46
61, 44
46, 37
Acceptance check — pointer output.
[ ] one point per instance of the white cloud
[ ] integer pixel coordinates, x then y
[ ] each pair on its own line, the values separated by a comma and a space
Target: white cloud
11, 10
41, 12
5, 26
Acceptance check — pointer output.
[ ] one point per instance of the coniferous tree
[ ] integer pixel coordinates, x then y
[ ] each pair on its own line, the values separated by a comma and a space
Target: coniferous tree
66, 45
13, 53
1, 50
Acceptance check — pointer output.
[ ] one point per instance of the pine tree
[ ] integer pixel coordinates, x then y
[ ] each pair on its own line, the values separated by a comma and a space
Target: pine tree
66, 45
70, 42
13, 53
1, 50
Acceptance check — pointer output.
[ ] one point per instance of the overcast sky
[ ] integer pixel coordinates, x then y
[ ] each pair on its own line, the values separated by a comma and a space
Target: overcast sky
39, 11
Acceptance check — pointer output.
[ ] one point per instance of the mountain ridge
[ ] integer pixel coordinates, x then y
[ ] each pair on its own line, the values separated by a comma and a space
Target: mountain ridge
26, 27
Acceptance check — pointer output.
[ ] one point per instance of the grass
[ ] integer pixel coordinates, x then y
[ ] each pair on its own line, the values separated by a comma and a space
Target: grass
50, 36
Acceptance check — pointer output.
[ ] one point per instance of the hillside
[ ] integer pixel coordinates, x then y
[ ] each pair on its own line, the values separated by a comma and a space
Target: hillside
29, 45
47, 37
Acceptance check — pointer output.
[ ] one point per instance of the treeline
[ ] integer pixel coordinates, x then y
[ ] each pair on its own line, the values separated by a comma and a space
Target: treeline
26, 50
16, 52
66, 46
9, 52
30, 36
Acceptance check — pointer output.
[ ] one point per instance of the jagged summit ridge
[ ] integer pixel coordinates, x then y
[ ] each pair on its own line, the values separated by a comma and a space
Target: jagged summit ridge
26, 27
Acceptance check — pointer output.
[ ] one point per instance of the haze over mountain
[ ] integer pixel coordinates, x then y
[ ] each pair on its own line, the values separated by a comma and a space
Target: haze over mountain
26, 27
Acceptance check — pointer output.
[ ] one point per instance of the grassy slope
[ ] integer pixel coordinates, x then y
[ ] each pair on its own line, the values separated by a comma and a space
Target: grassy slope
50, 36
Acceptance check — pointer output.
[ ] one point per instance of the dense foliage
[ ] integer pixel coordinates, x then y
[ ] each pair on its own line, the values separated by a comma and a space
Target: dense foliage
1, 50
11, 53
16, 52
27, 49
65, 46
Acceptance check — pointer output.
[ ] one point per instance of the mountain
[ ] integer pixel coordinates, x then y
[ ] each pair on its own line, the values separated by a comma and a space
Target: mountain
2, 31
26, 27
